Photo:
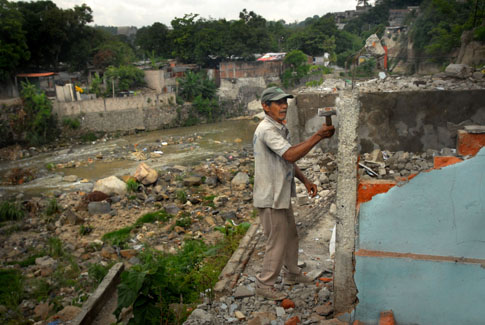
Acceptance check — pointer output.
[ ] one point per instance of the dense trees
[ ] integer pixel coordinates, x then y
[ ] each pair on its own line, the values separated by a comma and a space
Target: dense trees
40, 35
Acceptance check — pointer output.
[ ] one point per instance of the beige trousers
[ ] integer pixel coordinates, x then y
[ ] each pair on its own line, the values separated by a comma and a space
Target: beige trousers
281, 244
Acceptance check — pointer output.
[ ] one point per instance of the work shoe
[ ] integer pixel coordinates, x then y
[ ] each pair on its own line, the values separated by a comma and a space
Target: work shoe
271, 293
291, 279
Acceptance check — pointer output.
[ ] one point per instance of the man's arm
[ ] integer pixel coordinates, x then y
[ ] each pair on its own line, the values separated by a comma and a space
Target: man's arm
300, 150
310, 187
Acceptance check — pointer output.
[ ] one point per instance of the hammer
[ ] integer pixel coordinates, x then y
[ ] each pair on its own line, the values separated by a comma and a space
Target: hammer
327, 112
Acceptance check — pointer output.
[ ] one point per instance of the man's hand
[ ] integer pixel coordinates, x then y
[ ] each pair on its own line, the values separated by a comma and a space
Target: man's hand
326, 131
311, 188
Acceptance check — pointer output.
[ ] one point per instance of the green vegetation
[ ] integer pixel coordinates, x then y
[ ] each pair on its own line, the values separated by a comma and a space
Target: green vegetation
118, 237
150, 217
89, 137
73, 123
84, 230
38, 122
54, 247
164, 279
11, 287
181, 196
184, 221
97, 272
125, 77
132, 185
297, 68
11, 211
52, 207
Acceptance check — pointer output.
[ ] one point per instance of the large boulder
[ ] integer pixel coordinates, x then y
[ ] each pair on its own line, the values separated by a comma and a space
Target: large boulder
459, 70
110, 185
145, 174
373, 46
241, 178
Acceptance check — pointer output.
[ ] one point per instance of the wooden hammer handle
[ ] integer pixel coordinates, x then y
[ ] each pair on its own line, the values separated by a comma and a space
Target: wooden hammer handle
328, 120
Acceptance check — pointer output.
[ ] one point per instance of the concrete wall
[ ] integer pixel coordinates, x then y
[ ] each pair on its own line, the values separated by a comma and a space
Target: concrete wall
238, 69
421, 248
147, 112
160, 81
411, 121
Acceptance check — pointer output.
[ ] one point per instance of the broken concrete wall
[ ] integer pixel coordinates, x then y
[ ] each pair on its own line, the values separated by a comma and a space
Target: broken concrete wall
421, 248
405, 120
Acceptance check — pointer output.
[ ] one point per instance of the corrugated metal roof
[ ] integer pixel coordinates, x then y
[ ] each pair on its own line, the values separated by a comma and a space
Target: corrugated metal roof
33, 75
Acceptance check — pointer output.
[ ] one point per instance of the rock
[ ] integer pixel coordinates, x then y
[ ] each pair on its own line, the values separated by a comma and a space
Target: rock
220, 201
145, 174
69, 178
42, 310
108, 252
242, 292
231, 215
280, 311
45, 261
221, 159
293, 321
239, 315
459, 70
110, 186
67, 314
72, 218
128, 253
323, 310
200, 316
287, 303
99, 207
302, 199
172, 209
210, 221
373, 46
241, 178
211, 181
192, 181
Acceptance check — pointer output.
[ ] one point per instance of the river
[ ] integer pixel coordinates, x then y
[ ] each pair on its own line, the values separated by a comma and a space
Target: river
103, 158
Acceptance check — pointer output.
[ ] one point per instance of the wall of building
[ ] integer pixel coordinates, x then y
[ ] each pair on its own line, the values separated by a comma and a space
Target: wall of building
239, 69
421, 248
411, 121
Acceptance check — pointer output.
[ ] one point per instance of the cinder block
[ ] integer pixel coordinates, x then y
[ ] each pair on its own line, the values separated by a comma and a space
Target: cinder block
469, 143
443, 161
368, 188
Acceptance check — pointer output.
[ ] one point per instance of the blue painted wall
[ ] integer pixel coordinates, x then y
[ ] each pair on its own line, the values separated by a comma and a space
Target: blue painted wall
439, 213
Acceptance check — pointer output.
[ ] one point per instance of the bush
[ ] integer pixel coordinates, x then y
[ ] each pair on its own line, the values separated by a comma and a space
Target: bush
52, 207
126, 77
296, 68
150, 217
118, 237
196, 84
132, 185
11, 211
479, 34
39, 123
74, 124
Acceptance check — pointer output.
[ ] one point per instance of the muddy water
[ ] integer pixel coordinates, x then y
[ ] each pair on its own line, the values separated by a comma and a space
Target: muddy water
110, 157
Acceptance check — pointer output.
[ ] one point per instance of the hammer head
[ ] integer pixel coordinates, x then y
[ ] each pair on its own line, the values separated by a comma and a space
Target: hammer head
327, 112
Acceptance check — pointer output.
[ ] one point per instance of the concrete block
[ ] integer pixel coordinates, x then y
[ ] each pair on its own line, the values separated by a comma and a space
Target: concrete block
468, 144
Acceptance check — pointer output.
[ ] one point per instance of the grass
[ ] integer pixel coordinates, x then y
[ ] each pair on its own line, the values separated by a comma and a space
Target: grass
84, 230
52, 207
89, 137
181, 196
27, 261
150, 217
74, 124
11, 287
118, 237
184, 221
54, 247
132, 185
97, 272
209, 200
11, 211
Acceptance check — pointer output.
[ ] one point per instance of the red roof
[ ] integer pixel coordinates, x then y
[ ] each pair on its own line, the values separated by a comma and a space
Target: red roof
33, 75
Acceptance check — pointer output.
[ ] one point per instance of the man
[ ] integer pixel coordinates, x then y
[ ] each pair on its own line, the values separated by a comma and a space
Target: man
274, 185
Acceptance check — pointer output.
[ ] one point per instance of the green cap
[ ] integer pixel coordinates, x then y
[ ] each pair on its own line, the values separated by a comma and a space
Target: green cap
272, 94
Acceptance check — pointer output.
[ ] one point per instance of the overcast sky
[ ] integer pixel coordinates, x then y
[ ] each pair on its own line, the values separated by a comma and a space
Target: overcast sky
145, 12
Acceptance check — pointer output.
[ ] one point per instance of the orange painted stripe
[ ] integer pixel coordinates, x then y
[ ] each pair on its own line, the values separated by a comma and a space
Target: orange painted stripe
423, 257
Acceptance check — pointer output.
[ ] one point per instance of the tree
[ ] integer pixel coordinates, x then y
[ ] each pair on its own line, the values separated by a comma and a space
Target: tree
126, 77
154, 38
53, 33
183, 36
113, 53
296, 68
13, 46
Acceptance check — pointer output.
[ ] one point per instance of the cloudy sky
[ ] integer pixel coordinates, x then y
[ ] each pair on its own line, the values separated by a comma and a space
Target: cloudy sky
145, 12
